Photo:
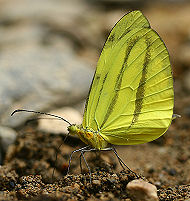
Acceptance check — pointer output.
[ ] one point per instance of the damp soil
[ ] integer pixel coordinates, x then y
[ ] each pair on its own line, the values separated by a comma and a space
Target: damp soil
35, 167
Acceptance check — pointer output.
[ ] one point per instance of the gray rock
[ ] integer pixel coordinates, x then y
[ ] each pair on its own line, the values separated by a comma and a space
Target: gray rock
65, 18
36, 10
140, 190
40, 69
39, 78
21, 35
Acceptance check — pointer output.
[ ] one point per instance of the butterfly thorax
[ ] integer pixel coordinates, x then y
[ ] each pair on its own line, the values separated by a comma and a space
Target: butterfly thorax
88, 136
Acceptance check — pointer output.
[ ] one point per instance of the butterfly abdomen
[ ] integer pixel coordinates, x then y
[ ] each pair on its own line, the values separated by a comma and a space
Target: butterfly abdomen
88, 136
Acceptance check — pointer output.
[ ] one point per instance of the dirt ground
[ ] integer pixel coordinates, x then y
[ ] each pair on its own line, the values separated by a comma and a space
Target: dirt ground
35, 167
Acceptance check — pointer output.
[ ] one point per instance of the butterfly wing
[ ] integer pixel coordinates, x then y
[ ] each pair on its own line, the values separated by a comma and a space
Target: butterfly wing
131, 96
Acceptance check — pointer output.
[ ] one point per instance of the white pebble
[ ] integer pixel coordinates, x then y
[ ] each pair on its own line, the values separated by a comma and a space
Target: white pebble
140, 190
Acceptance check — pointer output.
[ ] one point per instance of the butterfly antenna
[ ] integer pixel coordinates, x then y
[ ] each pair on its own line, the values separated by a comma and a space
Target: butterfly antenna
52, 115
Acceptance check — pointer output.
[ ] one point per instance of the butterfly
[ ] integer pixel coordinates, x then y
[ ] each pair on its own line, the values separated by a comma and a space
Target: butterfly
131, 97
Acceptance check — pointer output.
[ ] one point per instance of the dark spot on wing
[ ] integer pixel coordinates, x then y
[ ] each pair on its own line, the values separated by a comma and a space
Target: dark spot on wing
105, 77
119, 80
124, 33
95, 80
111, 38
141, 87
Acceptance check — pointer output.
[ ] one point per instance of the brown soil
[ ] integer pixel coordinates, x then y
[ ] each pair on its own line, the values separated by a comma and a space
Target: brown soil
31, 163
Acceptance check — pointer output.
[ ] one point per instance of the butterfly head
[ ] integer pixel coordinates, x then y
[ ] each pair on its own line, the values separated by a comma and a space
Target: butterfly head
72, 129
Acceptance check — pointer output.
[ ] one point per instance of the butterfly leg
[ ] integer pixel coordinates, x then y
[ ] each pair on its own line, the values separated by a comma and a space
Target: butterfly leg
123, 165
81, 163
89, 170
72, 156
121, 161
88, 149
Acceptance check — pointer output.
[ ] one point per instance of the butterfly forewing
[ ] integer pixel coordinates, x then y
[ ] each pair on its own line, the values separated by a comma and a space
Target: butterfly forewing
128, 22
131, 97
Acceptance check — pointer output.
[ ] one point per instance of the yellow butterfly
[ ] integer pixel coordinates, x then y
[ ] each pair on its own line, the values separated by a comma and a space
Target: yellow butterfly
131, 98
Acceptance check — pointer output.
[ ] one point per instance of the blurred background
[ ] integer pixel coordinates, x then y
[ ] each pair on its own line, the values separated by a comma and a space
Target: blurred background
48, 54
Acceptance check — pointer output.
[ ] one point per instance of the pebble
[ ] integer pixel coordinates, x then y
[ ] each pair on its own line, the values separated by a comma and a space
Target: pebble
8, 178
140, 190
57, 127
96, 182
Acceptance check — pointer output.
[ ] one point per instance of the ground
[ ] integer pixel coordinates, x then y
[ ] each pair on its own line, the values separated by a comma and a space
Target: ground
36, 165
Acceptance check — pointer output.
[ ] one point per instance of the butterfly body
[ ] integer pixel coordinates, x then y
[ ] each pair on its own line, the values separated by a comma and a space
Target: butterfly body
88, 136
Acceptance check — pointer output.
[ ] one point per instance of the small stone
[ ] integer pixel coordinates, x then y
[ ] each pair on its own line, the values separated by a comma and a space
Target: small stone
8, 178
96, 182
157, 183
57, 127
140, 190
